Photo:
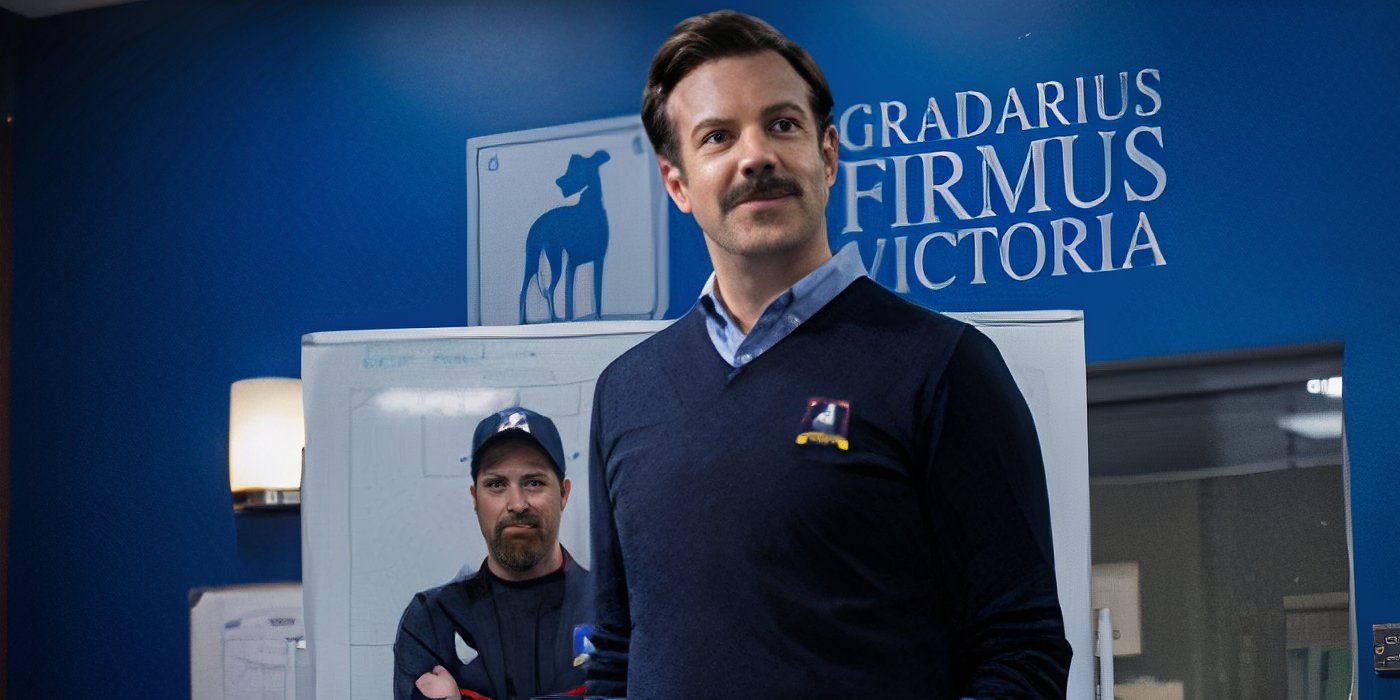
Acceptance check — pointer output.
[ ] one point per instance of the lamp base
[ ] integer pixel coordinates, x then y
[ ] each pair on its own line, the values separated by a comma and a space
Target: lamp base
267, 501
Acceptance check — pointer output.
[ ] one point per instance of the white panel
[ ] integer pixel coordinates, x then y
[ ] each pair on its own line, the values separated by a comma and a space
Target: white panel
389, 418
1116, 588
238, 640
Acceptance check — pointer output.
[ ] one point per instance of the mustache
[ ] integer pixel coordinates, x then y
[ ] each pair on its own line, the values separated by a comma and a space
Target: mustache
766, 186
528, 519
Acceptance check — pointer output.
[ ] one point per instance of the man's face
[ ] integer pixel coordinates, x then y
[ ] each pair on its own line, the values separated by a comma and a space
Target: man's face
754, 170
518, 500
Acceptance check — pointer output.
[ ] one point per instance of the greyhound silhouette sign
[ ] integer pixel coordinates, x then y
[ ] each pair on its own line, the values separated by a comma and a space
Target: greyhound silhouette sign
565, 223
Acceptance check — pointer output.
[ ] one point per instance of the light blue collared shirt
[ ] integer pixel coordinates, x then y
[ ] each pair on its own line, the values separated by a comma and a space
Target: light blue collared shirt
785, 314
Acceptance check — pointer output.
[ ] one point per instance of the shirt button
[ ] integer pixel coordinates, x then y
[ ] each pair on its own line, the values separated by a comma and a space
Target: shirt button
792, 321
745, 357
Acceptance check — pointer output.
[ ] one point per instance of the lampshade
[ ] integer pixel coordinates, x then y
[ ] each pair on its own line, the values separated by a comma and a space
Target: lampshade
266, 434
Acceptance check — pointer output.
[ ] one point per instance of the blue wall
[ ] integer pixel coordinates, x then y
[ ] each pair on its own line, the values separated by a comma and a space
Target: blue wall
197, 187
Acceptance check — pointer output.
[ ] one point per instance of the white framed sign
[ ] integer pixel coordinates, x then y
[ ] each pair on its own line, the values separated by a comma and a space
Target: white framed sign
242, 641
565, 223
1116, 587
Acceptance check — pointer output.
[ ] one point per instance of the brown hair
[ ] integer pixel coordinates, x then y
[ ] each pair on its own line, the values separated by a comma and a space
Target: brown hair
715, 35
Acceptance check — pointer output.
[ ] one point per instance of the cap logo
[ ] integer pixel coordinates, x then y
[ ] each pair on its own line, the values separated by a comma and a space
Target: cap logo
515, 421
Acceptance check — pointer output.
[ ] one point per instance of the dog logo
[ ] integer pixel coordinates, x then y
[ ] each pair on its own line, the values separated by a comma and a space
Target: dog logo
566, 223
515, 421
826, 422
569, 237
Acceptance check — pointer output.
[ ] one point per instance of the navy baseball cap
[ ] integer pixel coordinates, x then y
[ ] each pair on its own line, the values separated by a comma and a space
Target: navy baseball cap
522, 424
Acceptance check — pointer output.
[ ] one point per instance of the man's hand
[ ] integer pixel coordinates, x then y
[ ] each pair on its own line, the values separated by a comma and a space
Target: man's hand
438, 685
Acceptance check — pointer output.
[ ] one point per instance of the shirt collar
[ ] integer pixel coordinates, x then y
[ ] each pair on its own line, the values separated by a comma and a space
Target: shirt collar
812, 292
791, 309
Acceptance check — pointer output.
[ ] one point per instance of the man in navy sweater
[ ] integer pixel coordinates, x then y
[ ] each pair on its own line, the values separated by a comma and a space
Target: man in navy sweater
806, 487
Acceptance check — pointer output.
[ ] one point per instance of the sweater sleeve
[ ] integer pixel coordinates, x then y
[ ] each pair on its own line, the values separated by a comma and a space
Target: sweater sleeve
606, 671
991, 520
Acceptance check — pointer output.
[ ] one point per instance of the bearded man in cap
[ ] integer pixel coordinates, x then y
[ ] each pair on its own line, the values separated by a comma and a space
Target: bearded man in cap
517, 627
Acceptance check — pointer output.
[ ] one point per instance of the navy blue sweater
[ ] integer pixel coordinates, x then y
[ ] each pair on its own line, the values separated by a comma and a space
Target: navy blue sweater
730, 559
